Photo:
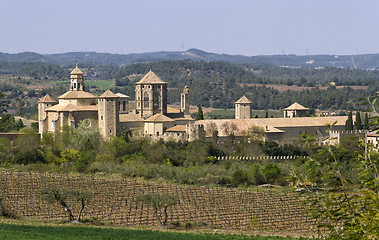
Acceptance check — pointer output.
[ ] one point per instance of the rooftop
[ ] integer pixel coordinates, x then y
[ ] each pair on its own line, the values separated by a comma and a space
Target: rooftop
244, 100
296, 106
151, 78
47, 99
76, 71
108, 94
177, 128
159, 118
76, 94
72, 108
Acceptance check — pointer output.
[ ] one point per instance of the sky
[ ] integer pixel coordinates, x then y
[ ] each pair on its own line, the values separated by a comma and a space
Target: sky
246, 27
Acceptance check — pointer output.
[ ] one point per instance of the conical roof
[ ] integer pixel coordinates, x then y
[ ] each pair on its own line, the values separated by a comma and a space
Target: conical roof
76, 71
296, 106
47, 99
244, 100
108, 94
151, 78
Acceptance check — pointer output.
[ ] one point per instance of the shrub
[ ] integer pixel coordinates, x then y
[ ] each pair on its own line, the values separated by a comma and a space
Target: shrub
271, 172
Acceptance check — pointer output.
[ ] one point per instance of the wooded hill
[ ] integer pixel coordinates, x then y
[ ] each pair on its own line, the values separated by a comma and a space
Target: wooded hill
212, 84
363, 61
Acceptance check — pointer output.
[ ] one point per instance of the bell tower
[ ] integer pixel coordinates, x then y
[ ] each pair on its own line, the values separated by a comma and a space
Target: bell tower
184, 101
77, 80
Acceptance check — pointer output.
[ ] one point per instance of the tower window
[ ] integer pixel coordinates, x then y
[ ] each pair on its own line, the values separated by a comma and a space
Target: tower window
101, 117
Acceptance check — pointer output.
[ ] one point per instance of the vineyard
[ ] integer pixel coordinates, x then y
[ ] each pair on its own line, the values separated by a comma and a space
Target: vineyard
115, 201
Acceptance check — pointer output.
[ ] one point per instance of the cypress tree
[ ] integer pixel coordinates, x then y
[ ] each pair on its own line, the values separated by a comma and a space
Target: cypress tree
266, 114
200, 115
365, 122
358, 121
349, 122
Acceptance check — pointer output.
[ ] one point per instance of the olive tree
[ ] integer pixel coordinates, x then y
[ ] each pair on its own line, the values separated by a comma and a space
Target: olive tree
160, 204
61, 196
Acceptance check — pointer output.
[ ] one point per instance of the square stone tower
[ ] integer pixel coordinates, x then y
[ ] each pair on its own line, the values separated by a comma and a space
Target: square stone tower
243, 108
108, 112
151, 96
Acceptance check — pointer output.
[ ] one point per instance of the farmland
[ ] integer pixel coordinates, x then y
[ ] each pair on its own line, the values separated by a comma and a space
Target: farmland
115, 201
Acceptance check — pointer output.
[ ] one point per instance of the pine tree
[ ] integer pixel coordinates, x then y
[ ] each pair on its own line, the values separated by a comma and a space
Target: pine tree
358, 121
200, 115
349, 122
365, 122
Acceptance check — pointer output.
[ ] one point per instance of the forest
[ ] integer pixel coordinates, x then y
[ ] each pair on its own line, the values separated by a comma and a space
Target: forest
212, 84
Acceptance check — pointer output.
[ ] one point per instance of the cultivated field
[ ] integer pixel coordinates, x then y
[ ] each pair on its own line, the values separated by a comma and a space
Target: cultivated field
115, 201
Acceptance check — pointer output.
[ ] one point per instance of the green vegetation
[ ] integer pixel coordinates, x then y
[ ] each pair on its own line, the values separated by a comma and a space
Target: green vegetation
212, 84
17, 231
101, 84
160, 204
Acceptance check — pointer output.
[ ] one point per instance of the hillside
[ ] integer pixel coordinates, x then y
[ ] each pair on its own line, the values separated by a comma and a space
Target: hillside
363, 61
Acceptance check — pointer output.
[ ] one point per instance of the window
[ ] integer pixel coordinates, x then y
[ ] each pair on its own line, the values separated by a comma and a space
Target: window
101, 117
123, 106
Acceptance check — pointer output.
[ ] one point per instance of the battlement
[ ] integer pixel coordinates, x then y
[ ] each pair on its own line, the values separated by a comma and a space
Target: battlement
258, 158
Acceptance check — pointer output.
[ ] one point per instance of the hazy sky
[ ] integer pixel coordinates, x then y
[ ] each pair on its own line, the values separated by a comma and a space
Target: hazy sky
247, 27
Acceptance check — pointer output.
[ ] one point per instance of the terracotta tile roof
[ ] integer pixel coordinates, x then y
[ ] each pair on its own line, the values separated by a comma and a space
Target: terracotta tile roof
177, 128
244, 100
159, 118
47, 99
76, 95
296, 106
151, 78
72, 108
130, 118
108, 94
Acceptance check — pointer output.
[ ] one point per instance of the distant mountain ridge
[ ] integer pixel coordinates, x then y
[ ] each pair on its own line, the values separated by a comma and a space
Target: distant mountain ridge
363, 61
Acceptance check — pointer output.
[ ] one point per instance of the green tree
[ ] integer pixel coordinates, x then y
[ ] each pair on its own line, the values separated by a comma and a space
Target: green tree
358, 121
160, 203
349, 122
271, 172
4, 103
366, 122
20, 106
199, 115
349, 205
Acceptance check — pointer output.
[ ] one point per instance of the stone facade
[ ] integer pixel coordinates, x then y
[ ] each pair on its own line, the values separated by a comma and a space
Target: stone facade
151, 96
243, 108
110, 112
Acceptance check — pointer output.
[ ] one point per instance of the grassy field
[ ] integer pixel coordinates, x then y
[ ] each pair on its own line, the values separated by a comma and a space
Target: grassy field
101, 84
16, 231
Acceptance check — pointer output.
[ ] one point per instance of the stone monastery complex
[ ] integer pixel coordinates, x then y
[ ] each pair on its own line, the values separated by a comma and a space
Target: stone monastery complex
151, 116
